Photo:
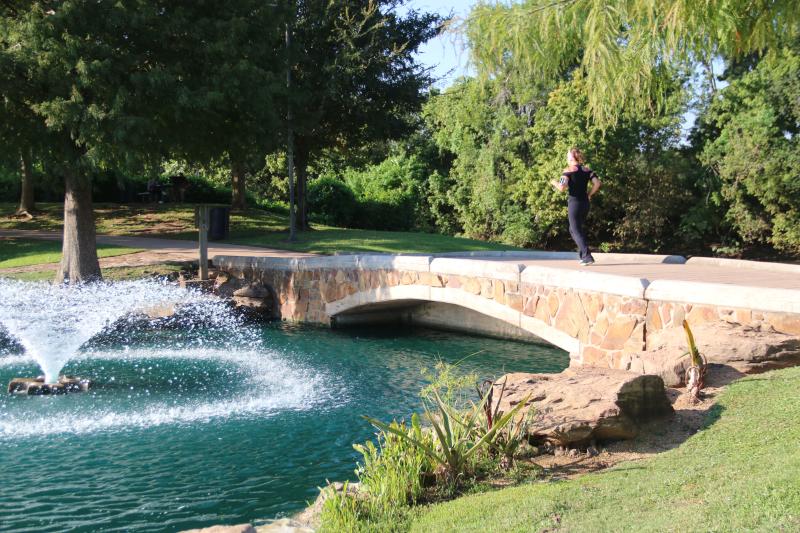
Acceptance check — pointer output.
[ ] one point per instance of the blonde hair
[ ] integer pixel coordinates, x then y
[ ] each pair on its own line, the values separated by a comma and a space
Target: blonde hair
577, 155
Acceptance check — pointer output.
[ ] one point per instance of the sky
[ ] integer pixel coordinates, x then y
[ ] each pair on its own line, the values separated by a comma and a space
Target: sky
445, 54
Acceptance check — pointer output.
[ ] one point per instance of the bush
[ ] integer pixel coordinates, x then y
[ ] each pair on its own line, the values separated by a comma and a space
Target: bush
9, 185
201, 191
332, 201
389, 193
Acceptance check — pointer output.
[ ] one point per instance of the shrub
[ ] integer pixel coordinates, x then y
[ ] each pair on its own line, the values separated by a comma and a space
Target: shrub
202, 191
332, 201
390, 194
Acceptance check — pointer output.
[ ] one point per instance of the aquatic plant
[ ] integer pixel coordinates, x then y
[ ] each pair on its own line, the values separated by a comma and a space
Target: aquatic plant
394, 472
514, 433
696, 373
457, 435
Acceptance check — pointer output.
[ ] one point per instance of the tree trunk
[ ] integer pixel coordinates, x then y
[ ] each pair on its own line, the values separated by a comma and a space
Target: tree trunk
238, 199
26, 202
79, 252
301, 169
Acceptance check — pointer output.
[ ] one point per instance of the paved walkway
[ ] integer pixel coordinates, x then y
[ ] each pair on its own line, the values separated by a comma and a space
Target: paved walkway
157, 250
174, 250
751, 277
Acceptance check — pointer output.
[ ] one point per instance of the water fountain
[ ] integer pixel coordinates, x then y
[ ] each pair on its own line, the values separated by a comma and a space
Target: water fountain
195, 416
51, 322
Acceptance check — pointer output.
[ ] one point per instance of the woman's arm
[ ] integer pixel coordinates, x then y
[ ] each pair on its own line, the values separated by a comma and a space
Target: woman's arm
596, 184
560, 185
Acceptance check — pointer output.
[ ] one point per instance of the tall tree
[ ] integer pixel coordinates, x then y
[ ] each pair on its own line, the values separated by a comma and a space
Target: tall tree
231, 64
355, 79
756, 150
27, 201
21, 131
625, 49
118, 84
508, 141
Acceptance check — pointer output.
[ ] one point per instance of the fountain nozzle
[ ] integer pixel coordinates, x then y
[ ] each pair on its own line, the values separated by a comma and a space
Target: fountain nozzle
37, 386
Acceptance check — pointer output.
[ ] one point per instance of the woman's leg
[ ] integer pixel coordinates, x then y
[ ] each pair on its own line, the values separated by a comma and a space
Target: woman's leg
577, 211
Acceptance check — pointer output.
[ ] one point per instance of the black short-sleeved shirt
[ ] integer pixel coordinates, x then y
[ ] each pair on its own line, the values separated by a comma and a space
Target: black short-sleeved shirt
577, 181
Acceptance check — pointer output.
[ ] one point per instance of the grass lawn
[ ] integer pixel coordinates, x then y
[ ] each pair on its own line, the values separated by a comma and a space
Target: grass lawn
25, 252
109, 274
741, 473
253, 227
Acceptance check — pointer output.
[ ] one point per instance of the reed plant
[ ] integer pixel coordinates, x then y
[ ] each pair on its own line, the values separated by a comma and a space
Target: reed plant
391, 477
406, 463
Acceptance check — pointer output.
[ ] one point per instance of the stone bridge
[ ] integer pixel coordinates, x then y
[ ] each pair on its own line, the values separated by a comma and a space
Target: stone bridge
598, 314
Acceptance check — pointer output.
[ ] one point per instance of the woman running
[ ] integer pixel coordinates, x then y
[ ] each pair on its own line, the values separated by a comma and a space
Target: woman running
575, 179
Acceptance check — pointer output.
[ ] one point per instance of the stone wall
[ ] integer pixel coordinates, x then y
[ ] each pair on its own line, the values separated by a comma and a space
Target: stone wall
597, 318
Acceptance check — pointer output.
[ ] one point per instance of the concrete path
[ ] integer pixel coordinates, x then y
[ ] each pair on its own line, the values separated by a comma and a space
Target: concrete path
157, 250
754, 276
740, 273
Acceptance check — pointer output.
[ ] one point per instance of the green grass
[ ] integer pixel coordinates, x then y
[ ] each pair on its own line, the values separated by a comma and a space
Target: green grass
741, 473
26, 252
327, 240
253, 227
109, 274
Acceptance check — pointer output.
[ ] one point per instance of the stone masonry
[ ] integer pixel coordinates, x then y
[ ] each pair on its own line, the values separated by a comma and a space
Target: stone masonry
596, 317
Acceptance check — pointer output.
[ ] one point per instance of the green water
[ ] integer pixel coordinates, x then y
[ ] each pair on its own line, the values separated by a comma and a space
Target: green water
175, 437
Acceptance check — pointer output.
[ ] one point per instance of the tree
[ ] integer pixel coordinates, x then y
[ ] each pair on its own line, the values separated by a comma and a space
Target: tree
756, 152
354, 77
20, 131
508, 139
231, 64
626, 50
118, 85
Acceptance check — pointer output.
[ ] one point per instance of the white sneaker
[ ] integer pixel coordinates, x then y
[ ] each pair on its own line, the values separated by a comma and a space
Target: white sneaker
586, 262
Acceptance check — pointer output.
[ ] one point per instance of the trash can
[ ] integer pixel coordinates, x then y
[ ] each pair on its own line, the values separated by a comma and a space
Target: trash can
219, 220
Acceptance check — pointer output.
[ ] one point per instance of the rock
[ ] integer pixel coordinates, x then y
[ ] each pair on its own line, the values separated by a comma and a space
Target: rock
284, 525
159, 311
309, 517
742, 348
202, 285
580, 405
225, 285
254, 298
591, 451
239, 528
253, 290
37, 386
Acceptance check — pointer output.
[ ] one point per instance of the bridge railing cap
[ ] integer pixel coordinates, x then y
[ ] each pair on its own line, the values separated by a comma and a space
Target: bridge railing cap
725, 295
585, 280
458, 266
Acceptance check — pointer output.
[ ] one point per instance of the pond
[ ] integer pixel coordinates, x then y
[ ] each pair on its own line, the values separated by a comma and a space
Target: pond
176, 435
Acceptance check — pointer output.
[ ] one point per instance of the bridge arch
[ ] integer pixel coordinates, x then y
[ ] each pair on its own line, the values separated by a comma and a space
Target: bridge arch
413, 301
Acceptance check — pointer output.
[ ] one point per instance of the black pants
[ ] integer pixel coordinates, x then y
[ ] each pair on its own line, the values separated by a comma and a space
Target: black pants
577, 210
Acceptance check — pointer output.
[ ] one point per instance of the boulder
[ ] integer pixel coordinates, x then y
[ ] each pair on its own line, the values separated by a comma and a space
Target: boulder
283, 525
255, 298
745, 349
225, 285
580, 405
